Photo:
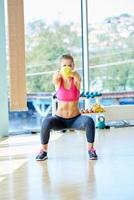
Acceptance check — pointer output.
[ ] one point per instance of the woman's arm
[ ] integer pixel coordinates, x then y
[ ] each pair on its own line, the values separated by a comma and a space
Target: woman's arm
77, 79
57, 79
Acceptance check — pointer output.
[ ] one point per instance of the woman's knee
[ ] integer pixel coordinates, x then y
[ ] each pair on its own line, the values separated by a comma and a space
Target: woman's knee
46, 122
89, 121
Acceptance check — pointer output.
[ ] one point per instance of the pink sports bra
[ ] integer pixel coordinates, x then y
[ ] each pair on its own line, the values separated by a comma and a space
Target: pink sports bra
68, 95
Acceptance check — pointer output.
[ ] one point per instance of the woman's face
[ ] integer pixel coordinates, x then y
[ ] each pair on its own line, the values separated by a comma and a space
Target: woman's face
67, 62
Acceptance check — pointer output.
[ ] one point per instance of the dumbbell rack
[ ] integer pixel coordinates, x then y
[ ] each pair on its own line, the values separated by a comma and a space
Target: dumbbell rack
86, 97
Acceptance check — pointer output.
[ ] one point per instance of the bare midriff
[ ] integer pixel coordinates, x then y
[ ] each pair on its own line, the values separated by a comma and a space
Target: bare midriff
68, 109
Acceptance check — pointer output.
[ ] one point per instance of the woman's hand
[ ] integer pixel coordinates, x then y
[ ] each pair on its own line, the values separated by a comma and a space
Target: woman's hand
57, 75
76, 75
57, 78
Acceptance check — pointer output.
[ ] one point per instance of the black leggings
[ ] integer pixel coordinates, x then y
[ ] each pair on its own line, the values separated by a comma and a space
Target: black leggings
79, 122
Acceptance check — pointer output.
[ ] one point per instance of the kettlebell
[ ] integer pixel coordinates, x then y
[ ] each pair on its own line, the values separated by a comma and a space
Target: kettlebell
101, 122
66, 71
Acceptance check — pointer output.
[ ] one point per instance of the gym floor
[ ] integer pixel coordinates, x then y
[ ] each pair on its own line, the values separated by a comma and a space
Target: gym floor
68, 174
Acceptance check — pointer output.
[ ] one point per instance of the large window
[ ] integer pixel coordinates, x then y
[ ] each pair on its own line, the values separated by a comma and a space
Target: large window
111, 45
52, 29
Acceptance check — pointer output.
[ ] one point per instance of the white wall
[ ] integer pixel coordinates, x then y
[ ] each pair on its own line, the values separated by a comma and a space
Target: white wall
119, 112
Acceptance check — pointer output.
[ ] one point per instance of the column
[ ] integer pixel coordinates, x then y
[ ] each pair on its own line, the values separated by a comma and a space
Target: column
18, 101
3, 75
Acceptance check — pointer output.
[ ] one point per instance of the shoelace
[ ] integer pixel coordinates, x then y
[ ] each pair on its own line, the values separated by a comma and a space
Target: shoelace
41, 151
92, 150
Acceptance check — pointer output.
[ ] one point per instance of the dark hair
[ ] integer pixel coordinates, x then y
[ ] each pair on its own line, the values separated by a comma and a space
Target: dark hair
67, 56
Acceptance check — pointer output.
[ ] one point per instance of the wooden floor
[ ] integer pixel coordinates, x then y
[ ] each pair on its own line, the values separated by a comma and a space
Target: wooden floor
68, 174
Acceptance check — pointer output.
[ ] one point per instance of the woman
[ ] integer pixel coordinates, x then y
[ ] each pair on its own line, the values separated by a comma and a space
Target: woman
68, 113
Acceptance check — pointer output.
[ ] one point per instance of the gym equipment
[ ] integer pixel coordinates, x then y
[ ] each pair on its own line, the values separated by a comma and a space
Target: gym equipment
66, 71
101, 122
90, 94
97, 108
